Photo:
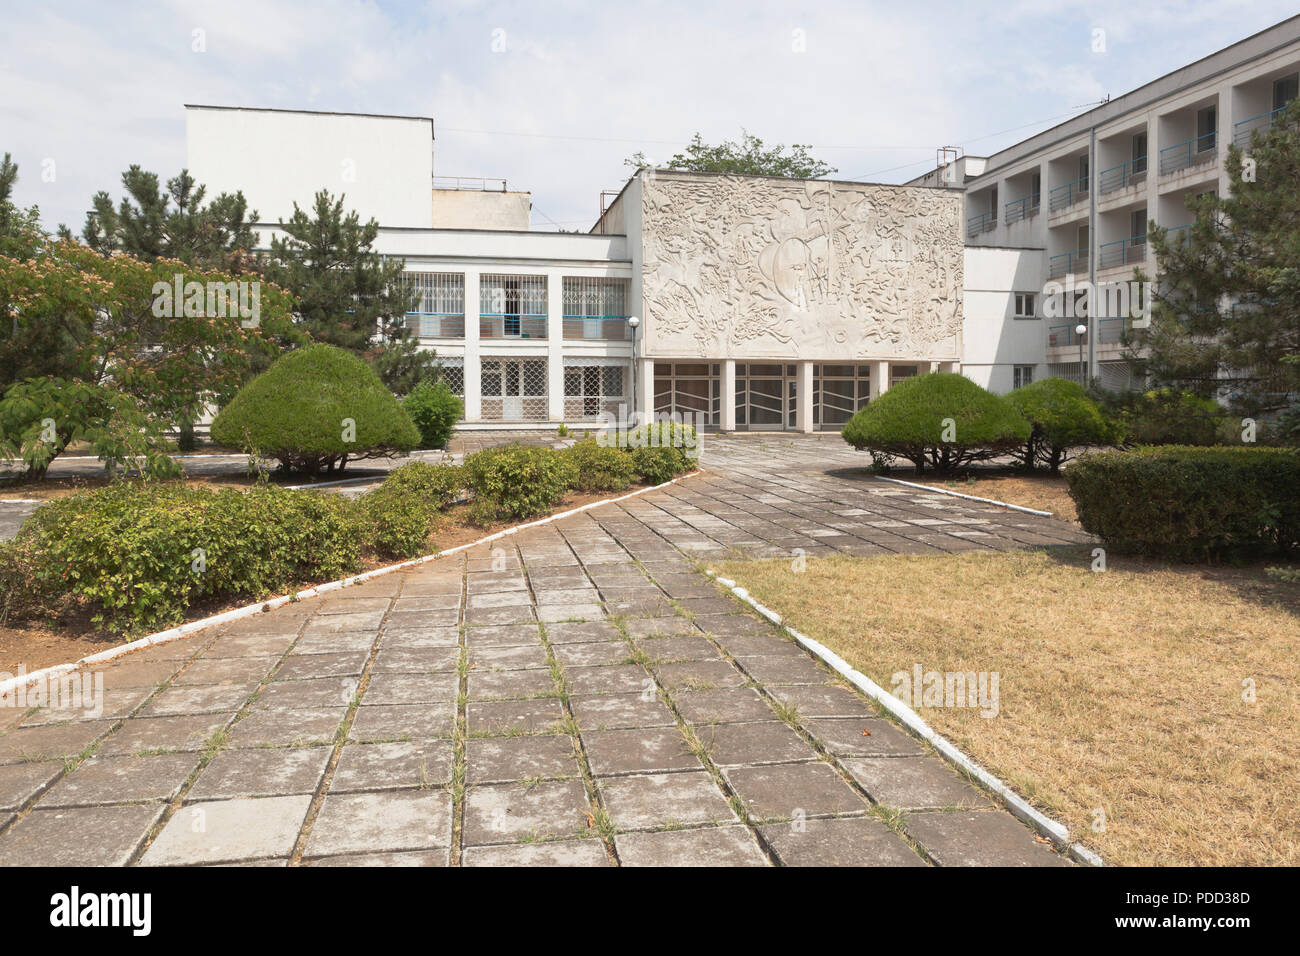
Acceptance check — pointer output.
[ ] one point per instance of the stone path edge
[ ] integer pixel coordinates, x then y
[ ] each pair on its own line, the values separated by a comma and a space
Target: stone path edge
185, 630
1057, 832
958, 494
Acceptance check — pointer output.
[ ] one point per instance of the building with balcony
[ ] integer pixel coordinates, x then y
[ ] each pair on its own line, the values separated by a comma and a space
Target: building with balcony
1075, 202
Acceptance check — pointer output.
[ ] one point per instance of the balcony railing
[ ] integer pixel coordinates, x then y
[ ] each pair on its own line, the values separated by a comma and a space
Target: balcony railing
1066, 263
1122, 252
1109, 332
436, 325
1178, 235
1131, 173
1242, 132
1194, 152
985, 222
605, 328
1024, 208
1063, 197
512, 327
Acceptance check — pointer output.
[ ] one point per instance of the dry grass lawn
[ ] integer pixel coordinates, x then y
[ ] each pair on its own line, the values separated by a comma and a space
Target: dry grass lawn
1120, 691
1043, 492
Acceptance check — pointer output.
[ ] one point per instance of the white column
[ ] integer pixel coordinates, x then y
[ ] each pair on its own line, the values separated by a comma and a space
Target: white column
934, 366
555, 344
727, 418
879, 379
473, 376
645, 386
803, 390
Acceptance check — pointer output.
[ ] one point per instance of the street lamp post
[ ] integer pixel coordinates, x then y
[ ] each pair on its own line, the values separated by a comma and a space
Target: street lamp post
632, 323
1080, 330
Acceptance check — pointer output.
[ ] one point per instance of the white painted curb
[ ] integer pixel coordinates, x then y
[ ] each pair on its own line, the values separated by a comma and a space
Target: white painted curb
184, 630
913, 721
958, 494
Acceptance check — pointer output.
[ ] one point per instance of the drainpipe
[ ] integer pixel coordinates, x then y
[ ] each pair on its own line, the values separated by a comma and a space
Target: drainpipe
1092, 258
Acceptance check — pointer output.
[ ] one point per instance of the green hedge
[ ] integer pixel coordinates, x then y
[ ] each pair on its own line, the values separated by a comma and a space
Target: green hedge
910, 421
516, 482
314, 409
600, 467
400, 514
140, 554
1189, 503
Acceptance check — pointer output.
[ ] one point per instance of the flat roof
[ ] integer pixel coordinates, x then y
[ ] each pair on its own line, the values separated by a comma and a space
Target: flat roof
271, 109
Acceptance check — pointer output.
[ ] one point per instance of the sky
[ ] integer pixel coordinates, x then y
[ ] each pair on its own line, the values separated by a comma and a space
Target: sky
554, 95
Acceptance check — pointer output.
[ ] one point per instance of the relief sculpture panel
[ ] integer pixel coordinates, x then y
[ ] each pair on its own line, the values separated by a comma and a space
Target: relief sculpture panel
737, 266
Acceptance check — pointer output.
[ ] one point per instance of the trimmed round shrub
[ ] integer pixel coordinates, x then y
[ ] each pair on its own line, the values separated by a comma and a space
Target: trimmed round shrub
515, 482
942, 419
1063, 416
313, 410
1190, 503
434, 409
140, 554
656, 464
600, 467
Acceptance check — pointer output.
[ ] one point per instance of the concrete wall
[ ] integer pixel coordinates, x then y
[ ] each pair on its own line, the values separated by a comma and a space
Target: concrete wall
993, 341
382, 165
481, 209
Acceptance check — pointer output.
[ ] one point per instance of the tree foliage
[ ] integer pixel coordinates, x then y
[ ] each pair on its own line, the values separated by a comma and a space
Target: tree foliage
749, 157
348, 294
76, 314
151, 222
1063, 417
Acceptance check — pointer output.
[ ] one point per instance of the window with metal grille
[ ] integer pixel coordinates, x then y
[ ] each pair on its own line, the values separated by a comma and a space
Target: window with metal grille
439, 312
595, 308
838, 392
513, 390
1021, 375
512, 307
451, 371
590, 390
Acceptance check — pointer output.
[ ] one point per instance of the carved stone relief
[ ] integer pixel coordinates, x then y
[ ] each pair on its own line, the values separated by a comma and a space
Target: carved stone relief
742, 267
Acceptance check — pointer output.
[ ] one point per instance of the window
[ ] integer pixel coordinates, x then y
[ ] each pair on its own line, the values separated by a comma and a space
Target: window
1138, 223
1035, 190
1207, 125
512, 307
1139, 152
1021, 375
1026, 305
993, 204
1083, 172
439, 309
595, 308
1285, 90
590, 389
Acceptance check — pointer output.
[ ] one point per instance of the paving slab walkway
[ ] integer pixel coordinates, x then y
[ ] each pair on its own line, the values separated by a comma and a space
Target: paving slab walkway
577, 694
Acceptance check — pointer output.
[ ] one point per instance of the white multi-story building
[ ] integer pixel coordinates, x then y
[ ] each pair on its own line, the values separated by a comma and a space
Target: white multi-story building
761, 303
1054, 220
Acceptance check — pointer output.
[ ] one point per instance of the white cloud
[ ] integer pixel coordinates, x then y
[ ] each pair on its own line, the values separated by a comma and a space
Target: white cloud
99, 86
